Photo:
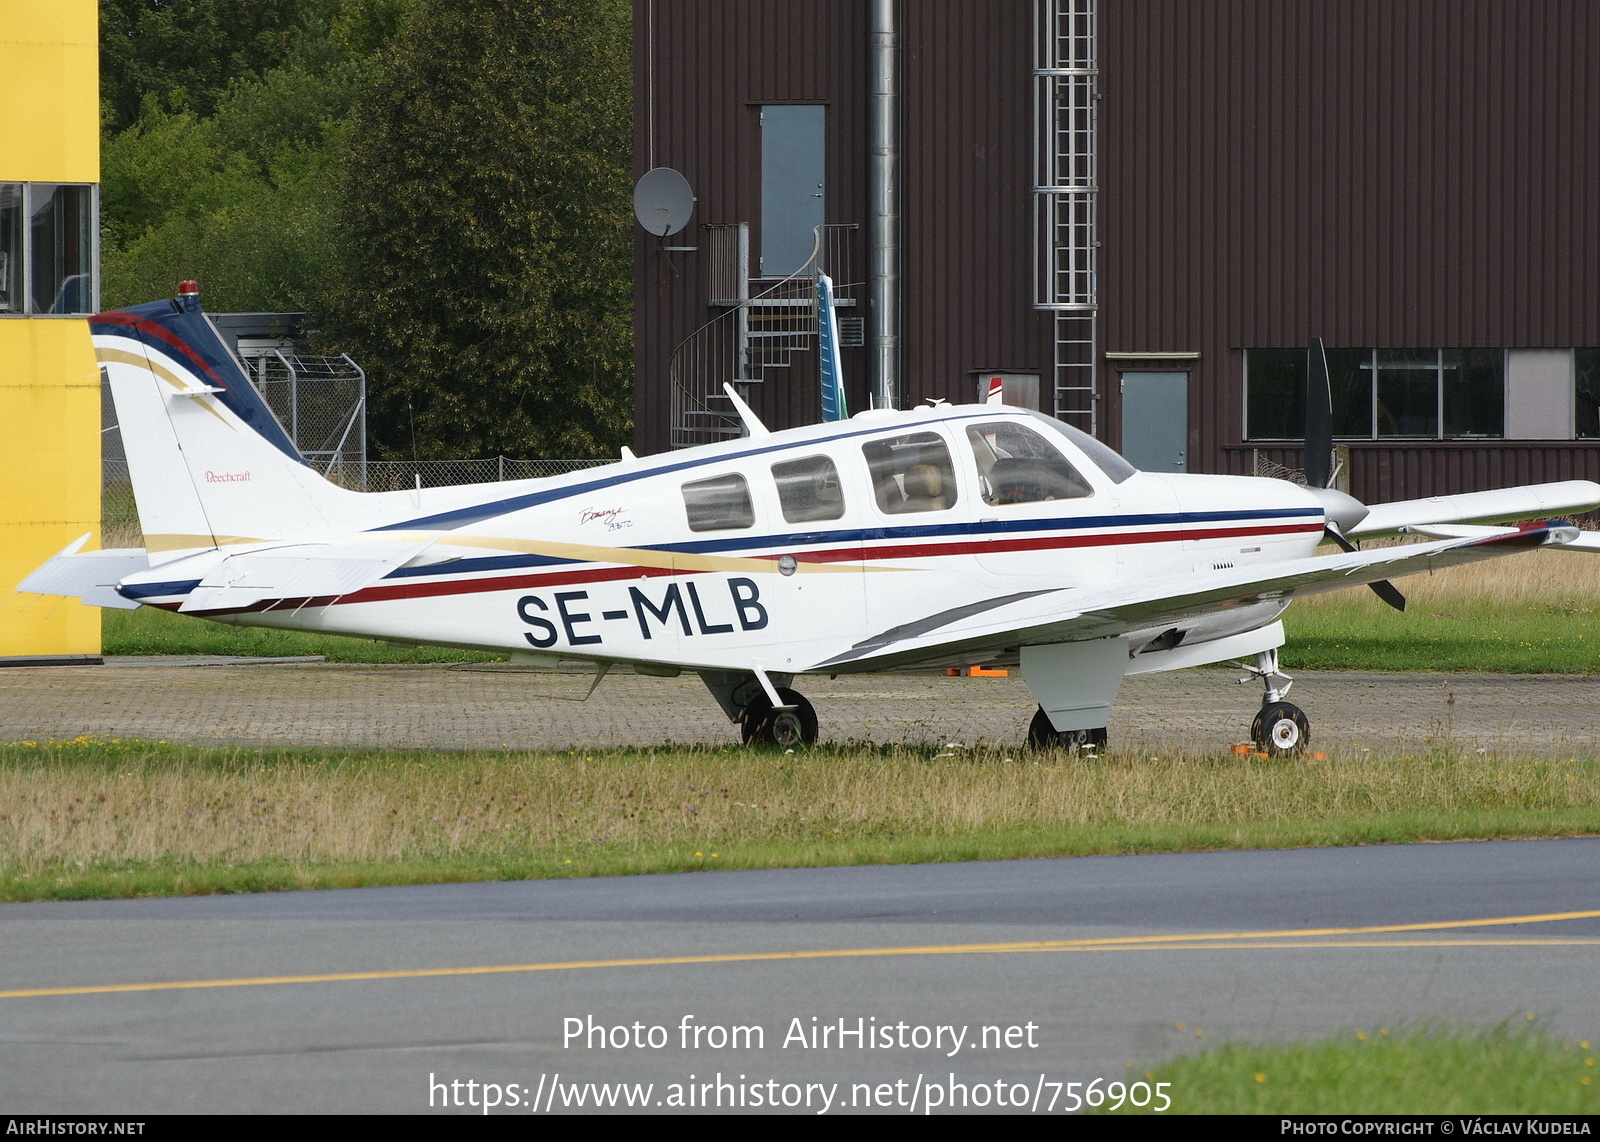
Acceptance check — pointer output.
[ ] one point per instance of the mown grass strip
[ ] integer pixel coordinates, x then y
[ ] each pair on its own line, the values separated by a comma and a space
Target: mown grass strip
99, 819
1427, 1070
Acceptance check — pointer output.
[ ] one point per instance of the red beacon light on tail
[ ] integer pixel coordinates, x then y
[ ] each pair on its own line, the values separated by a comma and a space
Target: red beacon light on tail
188, 289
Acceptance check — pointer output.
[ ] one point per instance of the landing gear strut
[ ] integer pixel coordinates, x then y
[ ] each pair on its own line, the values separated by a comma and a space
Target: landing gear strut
747, 698
761, 724
1044, 736
1281, 729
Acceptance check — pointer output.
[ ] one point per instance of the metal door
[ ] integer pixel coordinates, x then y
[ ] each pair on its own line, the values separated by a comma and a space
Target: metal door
793, 165
1155, 421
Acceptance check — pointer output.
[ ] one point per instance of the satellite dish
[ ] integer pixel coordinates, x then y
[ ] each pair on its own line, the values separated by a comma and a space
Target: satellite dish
663, 201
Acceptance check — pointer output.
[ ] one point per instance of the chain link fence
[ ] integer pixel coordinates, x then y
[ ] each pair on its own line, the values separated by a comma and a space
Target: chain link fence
119, 516
321, 403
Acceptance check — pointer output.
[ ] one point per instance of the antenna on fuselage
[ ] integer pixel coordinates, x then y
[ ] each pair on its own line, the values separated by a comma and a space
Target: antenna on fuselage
752, 423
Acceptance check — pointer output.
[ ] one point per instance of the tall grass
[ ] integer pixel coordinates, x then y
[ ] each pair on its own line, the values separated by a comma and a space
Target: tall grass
86, 804
1538, 612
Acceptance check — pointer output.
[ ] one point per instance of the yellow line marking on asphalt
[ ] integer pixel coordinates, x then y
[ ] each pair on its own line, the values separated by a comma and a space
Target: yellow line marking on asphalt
1182, 941
1576, 941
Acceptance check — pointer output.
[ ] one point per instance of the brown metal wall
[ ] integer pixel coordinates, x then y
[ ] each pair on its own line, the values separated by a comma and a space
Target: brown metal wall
1389, 173
967, 131
714, 63
968, 202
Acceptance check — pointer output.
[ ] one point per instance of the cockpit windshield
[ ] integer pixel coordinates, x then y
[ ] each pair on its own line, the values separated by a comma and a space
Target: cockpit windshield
1101, 455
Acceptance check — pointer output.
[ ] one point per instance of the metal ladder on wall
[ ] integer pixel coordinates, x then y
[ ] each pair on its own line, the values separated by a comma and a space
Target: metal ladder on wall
755, 333
1066, 247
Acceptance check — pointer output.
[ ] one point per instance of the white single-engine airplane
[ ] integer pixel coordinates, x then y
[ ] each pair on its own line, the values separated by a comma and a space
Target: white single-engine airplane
938, 537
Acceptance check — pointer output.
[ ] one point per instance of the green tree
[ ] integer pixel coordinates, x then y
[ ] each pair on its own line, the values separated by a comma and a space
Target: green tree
487, 227
231, 177
196, 47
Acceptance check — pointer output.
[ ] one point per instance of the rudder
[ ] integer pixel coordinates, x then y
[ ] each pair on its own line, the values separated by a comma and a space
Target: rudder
210, 464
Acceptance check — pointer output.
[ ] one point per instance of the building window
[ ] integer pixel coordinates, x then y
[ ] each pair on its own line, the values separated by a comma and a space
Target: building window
48, 259
1586, 393
1380, 394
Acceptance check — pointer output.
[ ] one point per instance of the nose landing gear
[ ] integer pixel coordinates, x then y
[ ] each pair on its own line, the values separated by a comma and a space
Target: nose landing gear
1280, 729
1044, 736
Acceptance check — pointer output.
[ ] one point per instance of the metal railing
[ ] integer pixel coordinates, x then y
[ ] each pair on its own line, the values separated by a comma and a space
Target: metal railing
757, 332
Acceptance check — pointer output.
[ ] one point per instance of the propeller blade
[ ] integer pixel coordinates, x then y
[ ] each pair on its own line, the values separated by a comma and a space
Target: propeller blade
1384, 589
1319, 418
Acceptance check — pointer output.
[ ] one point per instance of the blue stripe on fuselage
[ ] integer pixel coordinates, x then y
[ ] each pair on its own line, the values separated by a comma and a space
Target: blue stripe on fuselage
788, 542
461, 517
791, 541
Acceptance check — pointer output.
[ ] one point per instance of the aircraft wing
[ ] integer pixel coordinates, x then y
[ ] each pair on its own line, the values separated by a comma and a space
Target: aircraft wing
299, 571
1532, 501
1071, 614
88, 575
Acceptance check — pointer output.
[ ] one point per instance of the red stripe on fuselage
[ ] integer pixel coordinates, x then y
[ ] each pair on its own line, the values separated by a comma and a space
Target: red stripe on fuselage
389, 592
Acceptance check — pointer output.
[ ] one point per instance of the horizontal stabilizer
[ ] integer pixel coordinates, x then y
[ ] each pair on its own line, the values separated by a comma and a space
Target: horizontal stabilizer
1532, 501
88, 575
297, 571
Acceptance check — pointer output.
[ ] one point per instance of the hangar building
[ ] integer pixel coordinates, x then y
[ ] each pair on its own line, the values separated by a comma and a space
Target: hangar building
1148, 205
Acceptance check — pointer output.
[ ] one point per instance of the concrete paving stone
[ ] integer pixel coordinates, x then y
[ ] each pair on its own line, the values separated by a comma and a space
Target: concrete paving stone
488, 706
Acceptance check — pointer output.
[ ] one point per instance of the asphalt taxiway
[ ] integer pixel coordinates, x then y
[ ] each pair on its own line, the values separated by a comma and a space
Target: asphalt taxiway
362, 1000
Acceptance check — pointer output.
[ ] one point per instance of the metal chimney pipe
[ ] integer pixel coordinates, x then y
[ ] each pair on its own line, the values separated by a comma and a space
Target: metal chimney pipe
883, 193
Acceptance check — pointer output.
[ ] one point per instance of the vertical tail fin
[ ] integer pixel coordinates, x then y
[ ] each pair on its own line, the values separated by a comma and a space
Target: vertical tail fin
210, 463
833, 404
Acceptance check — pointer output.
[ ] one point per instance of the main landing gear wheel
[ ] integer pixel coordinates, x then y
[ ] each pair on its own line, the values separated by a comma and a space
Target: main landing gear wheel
1281, 729
760, 724
1044, 736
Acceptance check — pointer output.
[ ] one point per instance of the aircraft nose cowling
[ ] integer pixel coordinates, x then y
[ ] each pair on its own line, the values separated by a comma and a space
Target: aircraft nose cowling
1343, 511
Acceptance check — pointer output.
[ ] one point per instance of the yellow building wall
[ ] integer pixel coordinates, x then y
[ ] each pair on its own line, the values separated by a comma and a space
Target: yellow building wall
49, 477
49, 91
49, 381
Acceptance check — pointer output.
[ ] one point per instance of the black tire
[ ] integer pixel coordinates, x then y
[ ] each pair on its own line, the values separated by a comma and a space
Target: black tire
1044, 736
1281, 729
760, 724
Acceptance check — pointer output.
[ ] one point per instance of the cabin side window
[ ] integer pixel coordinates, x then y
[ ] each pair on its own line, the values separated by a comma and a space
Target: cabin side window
718, 504
911, 473
1017, 466
809, 489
